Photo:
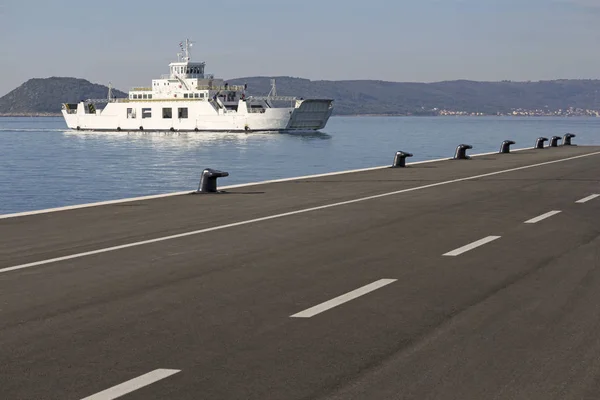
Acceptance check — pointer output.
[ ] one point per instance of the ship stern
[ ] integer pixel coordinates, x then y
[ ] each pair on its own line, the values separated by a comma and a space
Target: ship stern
311, 114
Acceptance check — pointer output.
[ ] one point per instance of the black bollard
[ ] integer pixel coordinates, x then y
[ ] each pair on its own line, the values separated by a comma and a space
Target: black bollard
400, 159
539, 143
567, 139
461, 152
208, 180
505, 147
554, 141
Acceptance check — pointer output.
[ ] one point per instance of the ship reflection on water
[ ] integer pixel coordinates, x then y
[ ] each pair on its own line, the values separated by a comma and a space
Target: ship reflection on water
190, 139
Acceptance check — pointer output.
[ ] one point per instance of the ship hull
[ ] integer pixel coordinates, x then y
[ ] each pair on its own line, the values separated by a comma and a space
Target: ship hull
182, 116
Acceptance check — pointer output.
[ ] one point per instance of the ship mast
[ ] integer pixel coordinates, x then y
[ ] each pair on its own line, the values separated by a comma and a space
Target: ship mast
273, 92
185, 47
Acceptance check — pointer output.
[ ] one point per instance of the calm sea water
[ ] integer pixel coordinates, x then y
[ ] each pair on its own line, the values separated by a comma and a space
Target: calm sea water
43, 164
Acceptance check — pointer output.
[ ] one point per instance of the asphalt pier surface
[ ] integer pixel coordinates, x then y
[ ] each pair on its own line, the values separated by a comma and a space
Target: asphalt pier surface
471, 279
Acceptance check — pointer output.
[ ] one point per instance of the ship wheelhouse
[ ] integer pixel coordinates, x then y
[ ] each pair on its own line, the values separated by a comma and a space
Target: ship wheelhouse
188, 80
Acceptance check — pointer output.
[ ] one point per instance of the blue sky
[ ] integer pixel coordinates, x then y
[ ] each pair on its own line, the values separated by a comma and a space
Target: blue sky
130, 42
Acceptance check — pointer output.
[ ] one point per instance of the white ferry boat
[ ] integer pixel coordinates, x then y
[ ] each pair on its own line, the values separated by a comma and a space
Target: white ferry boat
189, 100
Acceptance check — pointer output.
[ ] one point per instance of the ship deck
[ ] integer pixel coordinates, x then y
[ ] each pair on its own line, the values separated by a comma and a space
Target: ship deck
455, 279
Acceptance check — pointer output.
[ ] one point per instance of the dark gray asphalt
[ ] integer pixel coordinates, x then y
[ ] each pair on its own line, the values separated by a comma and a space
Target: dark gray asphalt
514, 319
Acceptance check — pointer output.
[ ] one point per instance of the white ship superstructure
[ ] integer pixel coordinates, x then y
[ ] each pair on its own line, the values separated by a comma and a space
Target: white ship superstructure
187, 99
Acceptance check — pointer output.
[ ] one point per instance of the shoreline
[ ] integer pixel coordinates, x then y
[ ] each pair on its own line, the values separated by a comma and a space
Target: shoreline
31, 115
40, 115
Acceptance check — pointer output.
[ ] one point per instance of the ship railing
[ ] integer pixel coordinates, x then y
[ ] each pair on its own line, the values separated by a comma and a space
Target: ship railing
273, 98
204, 76
141, 89
113, 100
228, 87
97, 101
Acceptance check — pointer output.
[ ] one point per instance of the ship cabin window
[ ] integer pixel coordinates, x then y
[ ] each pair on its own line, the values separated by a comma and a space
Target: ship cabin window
149, 96
145, 96
196, 95
182, 112
185, 95
146, 113
167, 113
130, 113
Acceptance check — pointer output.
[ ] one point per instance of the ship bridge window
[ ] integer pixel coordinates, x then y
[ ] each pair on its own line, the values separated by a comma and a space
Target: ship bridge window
146, 113
182, 112
167, 112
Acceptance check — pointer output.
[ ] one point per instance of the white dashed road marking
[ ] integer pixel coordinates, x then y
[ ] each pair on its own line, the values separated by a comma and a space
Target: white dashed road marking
471, 246
586, 199
133, 384
542, 217
311, 312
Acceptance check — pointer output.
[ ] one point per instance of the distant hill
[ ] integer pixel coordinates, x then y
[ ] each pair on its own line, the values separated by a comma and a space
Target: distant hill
38, 96
381, 97
45, 96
